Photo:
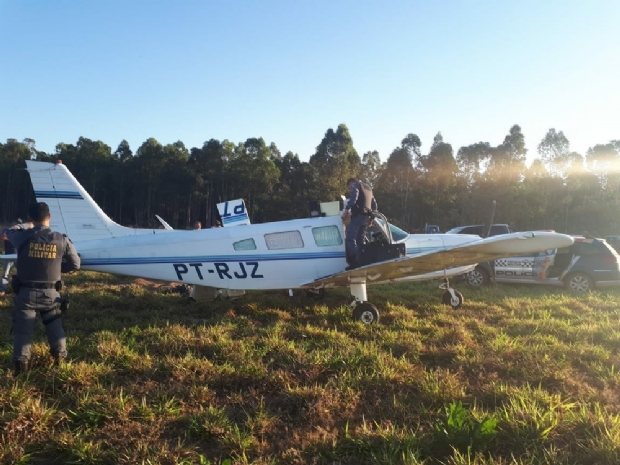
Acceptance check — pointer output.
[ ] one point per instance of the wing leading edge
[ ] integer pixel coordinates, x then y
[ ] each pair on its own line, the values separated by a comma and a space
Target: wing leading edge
506, 245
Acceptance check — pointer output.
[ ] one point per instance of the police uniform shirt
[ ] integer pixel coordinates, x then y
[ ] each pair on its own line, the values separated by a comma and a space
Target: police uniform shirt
46, 255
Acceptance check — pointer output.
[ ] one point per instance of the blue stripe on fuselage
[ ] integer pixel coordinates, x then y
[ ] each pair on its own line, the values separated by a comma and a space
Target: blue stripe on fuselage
211, 258
229, 258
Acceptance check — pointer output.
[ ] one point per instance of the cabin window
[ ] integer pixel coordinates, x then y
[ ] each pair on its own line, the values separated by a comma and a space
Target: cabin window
284, 240
246, 244
326, 236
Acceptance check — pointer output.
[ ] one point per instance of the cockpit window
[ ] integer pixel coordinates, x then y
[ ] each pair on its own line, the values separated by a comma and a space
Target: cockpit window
397, 233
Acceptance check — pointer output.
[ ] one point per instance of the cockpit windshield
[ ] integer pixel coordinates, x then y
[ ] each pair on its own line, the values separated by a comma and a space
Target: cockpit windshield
397, 233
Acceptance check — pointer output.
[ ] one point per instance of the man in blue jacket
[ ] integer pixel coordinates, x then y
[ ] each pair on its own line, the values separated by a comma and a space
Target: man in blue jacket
360, 205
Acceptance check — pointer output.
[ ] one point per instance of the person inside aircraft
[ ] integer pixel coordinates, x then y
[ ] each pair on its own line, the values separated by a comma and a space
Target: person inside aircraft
360, 206
197, 225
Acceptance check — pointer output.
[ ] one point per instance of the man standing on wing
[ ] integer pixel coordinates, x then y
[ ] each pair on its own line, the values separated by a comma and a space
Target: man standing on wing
361, 203
42, 255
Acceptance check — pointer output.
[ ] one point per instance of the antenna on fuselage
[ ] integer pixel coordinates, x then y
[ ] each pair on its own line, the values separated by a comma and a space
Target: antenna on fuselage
489, 222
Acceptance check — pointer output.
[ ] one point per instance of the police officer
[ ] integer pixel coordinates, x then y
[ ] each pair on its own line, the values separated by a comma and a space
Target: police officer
361, 203
42, 255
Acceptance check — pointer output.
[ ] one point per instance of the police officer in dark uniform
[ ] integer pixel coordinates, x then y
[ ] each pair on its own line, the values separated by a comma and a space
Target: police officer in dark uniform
42, 255
361, 203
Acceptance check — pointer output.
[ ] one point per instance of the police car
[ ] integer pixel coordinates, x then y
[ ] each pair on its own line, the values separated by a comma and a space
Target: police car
587, 264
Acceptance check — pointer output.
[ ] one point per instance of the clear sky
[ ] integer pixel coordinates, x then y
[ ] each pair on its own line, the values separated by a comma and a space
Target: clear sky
289, 70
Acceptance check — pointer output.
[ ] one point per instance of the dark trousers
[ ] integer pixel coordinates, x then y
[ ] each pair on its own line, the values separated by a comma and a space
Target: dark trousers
27, 303
355, 238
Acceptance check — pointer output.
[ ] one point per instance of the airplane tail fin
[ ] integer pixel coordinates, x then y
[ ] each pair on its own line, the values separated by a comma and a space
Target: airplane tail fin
233, 213
73, 211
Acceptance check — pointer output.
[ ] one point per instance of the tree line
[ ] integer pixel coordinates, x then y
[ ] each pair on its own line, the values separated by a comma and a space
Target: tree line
562, 190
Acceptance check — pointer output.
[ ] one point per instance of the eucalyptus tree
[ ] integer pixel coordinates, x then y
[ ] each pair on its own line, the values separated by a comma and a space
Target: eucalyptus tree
371, 167
398, 180
295, 188
507, 161
472, 161
335, 160
147, 167
92, 162
542, 197
603, 160
176, 185
16, 190
554, 150
438, 183
123, 151
122, 177
502, 179
256, 176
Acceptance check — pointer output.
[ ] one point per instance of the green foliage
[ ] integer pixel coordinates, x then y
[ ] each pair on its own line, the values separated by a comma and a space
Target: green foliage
563, 190
459, 429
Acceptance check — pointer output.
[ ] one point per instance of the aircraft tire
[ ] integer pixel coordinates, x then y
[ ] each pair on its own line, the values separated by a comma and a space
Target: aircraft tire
447, 299
366, 313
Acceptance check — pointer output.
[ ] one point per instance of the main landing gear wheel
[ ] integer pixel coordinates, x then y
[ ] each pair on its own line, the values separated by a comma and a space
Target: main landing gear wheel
366, 313
454, 302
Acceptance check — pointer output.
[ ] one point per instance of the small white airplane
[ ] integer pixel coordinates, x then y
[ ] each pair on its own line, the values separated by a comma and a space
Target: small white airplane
304, 253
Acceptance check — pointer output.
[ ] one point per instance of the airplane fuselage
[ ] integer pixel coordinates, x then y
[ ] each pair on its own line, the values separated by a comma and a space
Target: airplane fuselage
279, 255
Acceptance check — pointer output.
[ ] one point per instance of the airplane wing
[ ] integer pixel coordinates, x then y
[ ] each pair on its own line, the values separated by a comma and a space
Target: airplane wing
506, 245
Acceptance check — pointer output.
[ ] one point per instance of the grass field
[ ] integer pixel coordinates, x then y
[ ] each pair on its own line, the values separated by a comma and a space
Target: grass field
518, 375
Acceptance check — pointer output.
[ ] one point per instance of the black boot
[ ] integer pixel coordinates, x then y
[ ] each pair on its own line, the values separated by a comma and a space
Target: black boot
21, 366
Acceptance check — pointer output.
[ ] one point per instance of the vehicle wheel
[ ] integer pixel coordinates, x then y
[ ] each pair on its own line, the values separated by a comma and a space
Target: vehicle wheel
447, 299
579, 282
478, 277
366, 313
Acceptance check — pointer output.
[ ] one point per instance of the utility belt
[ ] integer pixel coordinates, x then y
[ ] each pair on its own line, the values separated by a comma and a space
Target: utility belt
17, 285
357, 210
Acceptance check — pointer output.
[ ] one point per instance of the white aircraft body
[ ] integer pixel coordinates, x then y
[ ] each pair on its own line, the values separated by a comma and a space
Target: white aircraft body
304, 253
